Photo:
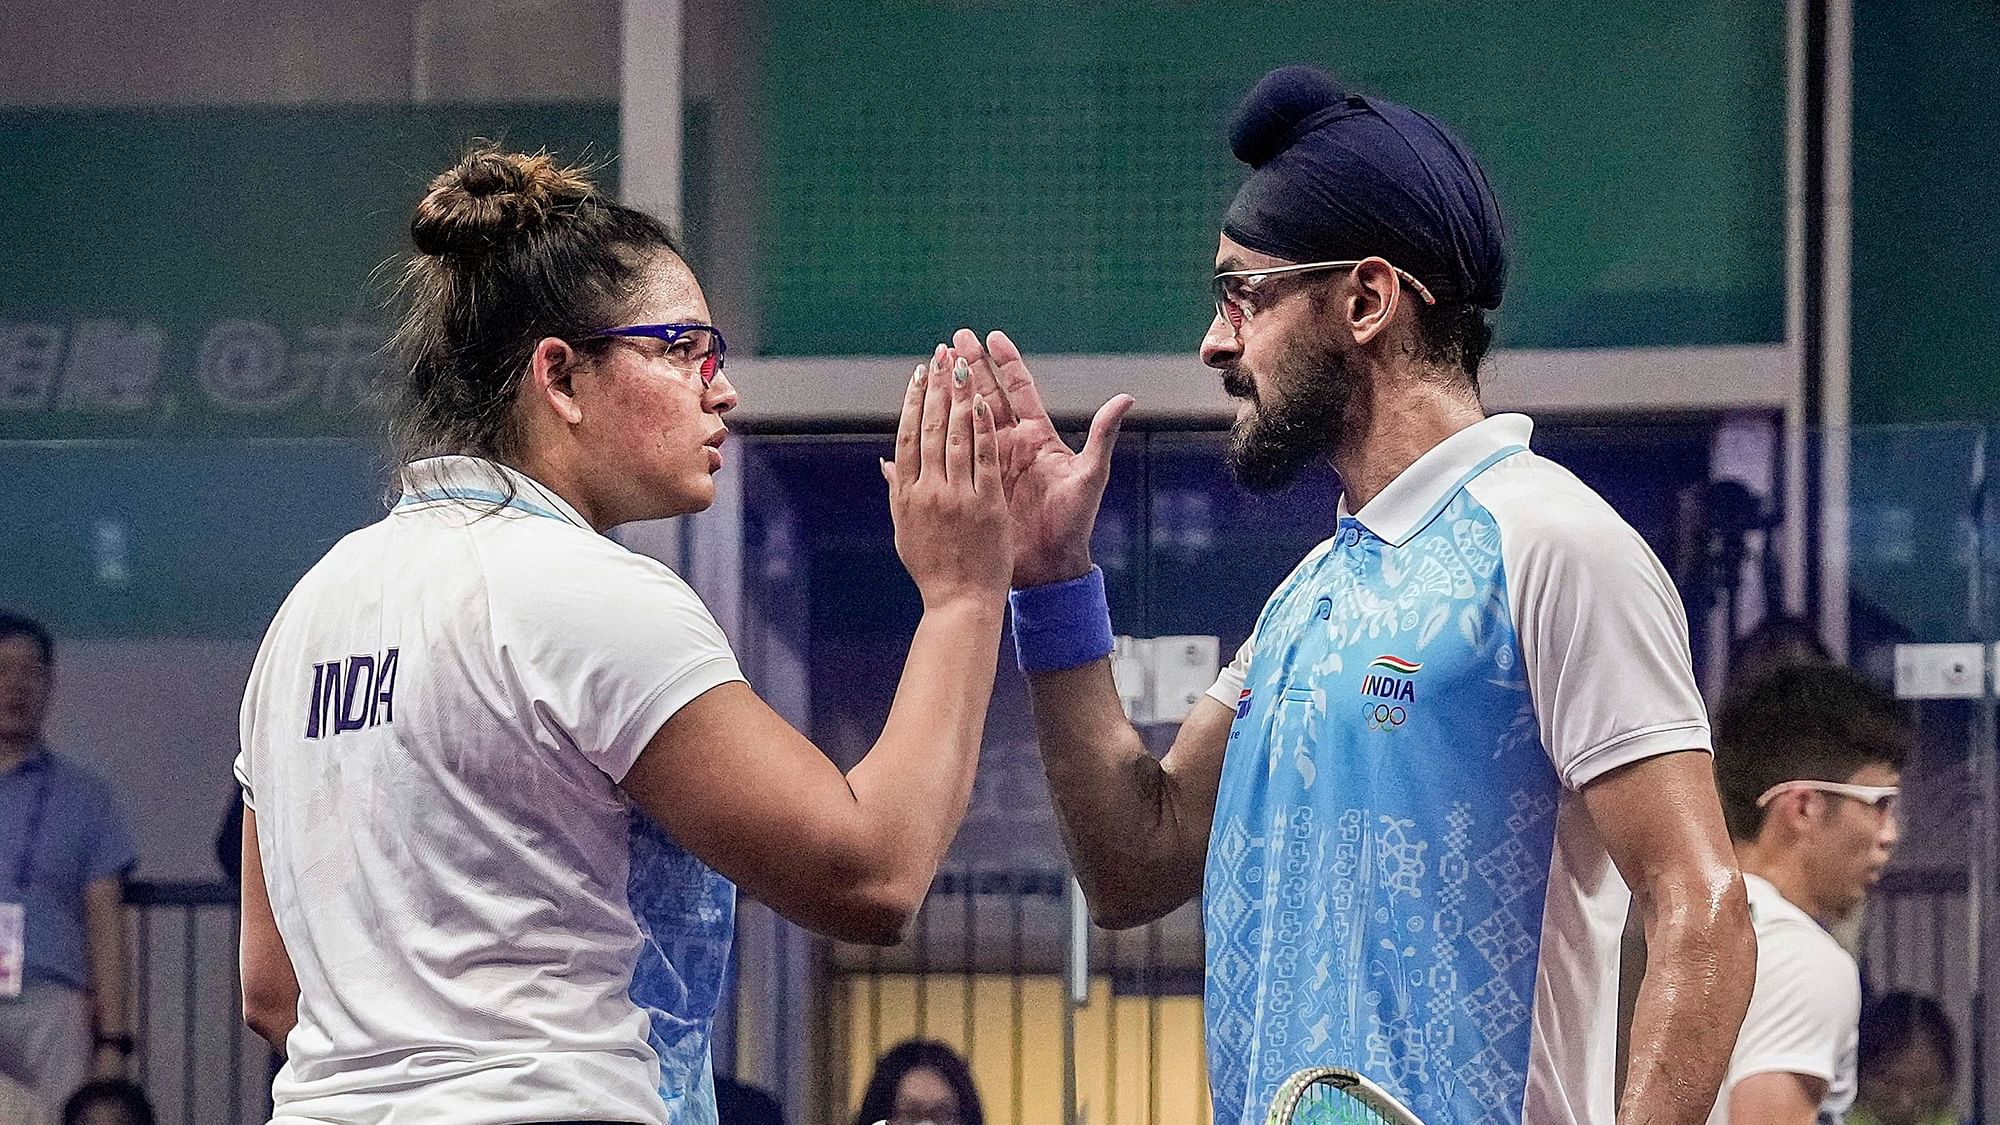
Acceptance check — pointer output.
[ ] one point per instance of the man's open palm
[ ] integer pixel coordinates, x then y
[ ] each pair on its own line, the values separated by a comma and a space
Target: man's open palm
1052, 491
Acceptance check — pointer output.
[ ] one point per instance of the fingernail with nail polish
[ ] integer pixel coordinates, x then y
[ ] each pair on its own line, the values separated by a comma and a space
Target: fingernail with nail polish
960, 372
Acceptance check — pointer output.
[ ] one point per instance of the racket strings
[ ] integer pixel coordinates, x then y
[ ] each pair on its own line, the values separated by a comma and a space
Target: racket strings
1326, 1104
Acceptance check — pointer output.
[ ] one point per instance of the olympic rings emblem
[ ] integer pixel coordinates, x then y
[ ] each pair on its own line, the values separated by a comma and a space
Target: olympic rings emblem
1382, 716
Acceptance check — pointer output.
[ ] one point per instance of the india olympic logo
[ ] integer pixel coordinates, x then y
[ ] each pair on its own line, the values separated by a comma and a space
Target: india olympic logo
1382, 716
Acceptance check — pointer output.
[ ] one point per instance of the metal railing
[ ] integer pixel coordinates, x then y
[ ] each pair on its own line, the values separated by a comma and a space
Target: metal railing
198, 1062
1106, 1032
986, 970
1918, 938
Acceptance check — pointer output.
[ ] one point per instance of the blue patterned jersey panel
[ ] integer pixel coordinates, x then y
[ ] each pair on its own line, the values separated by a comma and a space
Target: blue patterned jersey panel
1382, 839
687, 917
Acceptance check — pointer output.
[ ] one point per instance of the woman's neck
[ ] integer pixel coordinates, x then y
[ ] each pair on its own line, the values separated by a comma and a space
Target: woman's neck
555, 477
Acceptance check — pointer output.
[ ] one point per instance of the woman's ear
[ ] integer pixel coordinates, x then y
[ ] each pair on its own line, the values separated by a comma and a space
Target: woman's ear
552, 368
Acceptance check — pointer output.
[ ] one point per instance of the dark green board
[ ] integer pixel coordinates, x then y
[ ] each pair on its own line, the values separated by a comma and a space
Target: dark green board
252, 233
1060, 169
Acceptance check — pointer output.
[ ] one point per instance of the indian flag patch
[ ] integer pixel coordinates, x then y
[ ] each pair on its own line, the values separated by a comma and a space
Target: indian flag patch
1396, 664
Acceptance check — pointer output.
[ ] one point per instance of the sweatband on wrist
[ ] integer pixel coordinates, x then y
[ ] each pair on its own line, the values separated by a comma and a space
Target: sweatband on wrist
1061, 625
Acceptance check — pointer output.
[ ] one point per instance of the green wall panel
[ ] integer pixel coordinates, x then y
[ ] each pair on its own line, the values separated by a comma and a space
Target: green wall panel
1061, 169
139, 242
1926, 185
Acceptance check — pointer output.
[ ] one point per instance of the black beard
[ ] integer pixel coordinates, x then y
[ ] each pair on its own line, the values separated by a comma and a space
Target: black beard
1313, 388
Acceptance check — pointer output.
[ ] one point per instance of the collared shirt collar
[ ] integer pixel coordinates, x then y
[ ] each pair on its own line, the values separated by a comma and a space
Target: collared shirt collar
480, 480
1421, 491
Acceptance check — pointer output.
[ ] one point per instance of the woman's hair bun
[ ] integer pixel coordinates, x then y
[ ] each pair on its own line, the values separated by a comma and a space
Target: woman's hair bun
491, 197
1268, 120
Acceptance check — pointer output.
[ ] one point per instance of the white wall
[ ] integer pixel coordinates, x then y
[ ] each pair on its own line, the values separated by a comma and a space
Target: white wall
97, 53
158, 720
1596, 381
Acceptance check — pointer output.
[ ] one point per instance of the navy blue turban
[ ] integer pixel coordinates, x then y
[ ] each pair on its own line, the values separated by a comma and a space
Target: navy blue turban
1340, 176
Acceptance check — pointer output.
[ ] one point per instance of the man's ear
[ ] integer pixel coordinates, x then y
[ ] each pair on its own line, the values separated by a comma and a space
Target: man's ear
1373, 296
552, 368
1796, 807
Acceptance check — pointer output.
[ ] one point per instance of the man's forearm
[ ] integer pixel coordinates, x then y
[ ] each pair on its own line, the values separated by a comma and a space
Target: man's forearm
1113, 800
1701, 964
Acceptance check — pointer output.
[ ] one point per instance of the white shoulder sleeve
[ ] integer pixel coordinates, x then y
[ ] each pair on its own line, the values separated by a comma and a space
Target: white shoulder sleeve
1804, 1009
1604, 638
604, 648
245, 728
252, 712
1228, 686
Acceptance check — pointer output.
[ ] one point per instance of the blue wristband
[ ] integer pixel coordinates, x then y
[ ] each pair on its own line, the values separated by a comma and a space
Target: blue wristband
1061, 625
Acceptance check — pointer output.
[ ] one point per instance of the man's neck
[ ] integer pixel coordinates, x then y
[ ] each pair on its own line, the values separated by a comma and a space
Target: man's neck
1785, 870
13, 752
1403, 417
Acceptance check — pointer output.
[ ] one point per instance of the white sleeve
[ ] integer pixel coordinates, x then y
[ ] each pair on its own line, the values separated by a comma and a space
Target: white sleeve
1228, 685
241, 769
1604, 638
1803, 1011
248, 715
605, 648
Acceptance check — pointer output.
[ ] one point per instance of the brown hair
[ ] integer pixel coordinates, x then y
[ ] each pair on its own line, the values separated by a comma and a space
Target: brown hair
511, 248
18, 625
1801, 722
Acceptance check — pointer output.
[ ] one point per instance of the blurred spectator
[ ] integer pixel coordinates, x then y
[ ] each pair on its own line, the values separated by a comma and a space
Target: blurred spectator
1909, 1063
1781, 640
1776, 641
1806, 760
108, 1101
64, 855
921, 1081
737, 1103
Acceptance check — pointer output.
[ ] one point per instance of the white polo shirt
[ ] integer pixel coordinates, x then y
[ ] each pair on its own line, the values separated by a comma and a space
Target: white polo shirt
1402, 877
1805, 1013
432, 739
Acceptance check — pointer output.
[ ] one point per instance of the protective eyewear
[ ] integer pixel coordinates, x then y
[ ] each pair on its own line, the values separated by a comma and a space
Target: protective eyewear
696, 346
1881, 798
1234, 290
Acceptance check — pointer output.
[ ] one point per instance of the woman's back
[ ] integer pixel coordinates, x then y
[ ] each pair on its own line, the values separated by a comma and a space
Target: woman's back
448, 912
433, 734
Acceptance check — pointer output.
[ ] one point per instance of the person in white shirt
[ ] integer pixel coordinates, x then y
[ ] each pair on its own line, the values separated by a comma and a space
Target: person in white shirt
1807, 759
502, 775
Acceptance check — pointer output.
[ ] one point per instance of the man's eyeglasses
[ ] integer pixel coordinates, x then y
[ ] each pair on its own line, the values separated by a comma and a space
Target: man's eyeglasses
697, 347
1881, 798
1235, 291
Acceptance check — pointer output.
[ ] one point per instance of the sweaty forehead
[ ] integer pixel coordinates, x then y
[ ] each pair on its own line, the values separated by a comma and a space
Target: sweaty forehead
669, 295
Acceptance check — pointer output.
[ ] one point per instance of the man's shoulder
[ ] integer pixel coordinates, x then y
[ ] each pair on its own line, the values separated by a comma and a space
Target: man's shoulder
1803, 945
1531, 497
76, 783
1791, 946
